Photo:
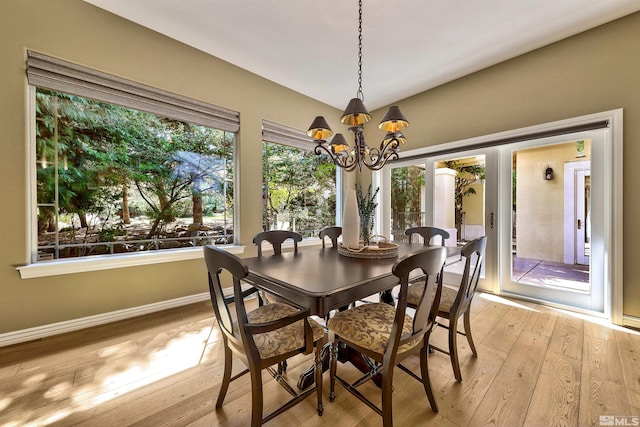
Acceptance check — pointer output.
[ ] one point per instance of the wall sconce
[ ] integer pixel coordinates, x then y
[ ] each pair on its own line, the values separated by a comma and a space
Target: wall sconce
548, 174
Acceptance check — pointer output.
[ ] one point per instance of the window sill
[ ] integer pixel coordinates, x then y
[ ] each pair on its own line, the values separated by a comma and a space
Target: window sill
106, 262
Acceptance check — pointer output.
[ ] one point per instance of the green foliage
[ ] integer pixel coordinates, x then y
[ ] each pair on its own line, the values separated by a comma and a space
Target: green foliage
299, 186
91, 153
366, 208
407, 186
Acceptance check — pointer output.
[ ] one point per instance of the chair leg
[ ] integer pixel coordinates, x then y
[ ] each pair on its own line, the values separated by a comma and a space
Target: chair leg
318, 369
453, 348
256, 397
426, 382
467, 331
333, 365
226, 376
387, 396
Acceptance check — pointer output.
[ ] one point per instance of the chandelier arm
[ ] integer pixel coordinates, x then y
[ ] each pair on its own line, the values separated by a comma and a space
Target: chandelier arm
377, 158
381, 161
348, 163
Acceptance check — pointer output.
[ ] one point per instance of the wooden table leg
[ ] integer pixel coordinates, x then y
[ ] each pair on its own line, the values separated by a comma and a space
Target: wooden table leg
345, 354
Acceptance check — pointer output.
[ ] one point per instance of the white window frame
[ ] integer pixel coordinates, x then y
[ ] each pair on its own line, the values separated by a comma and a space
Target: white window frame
55, 74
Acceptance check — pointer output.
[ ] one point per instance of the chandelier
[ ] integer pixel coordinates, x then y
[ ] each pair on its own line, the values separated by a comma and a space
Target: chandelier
355, 116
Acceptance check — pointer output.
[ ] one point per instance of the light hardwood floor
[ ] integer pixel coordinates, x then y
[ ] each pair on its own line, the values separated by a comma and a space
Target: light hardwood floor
535, 367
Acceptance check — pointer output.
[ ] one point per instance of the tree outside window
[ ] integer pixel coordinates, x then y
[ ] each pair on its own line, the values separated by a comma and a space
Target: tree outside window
299, 190
112, 179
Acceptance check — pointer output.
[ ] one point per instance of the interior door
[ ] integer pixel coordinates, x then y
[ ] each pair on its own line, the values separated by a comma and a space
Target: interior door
577, 203
582, 226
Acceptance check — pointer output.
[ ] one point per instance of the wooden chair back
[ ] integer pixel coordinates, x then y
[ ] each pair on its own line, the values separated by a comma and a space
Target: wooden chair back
427, 234
333, 232
276, 238
219, 261
429, 262
473, 252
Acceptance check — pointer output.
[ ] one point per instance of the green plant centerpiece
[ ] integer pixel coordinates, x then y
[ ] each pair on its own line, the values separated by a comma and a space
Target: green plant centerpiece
366, 208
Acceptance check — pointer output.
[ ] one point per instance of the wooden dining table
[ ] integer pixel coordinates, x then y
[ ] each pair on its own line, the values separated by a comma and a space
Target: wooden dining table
321, 280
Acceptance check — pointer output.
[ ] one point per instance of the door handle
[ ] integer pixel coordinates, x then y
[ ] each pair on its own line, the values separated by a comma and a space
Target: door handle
579, 224
490, 220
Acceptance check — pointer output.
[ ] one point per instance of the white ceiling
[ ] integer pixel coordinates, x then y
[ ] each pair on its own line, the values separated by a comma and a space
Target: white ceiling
409, 46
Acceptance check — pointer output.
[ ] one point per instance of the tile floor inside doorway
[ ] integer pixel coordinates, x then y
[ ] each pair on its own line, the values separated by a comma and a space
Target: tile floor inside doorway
539, 273
547, 273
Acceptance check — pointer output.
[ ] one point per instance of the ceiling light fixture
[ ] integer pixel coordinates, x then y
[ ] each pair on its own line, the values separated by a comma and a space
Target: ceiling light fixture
355, 116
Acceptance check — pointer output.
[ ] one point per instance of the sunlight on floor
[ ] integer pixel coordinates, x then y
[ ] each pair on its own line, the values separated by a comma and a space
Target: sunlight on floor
598, 321
593, 319
128, 367
496, 298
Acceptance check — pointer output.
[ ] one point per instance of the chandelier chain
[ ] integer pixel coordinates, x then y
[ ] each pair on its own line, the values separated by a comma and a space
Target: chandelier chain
360, 94
350, 158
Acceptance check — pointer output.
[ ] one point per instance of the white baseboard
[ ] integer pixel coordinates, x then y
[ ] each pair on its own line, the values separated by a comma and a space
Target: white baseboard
99, 319
632, 321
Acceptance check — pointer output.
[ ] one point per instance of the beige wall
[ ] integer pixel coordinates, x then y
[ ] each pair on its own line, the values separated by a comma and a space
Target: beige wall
592, 72
473, 205
540, 203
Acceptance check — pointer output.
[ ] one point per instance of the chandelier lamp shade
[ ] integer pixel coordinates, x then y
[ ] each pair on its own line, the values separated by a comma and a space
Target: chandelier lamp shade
355, 116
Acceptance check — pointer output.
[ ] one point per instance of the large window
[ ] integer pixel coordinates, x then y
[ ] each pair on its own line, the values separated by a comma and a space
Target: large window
112, 178
299, 186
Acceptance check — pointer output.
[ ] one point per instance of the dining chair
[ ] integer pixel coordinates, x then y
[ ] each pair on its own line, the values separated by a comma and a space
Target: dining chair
457, 302
333, 232
260, 338
427, 233
388, 334
276, 238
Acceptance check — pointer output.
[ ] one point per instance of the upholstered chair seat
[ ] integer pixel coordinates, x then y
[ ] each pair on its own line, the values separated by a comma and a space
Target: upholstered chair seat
283, 340
447, 297
369, 326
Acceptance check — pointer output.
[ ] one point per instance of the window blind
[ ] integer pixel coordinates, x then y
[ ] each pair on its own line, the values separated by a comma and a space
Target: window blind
55, 74
285, 135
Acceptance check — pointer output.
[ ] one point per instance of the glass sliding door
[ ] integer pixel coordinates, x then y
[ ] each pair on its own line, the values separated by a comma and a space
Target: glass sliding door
548, 198
463, 206
445, 192
549, 235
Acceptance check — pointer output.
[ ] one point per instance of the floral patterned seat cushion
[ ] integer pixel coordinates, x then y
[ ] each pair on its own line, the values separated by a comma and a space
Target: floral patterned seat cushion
283, 340
447, 297
369, 326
